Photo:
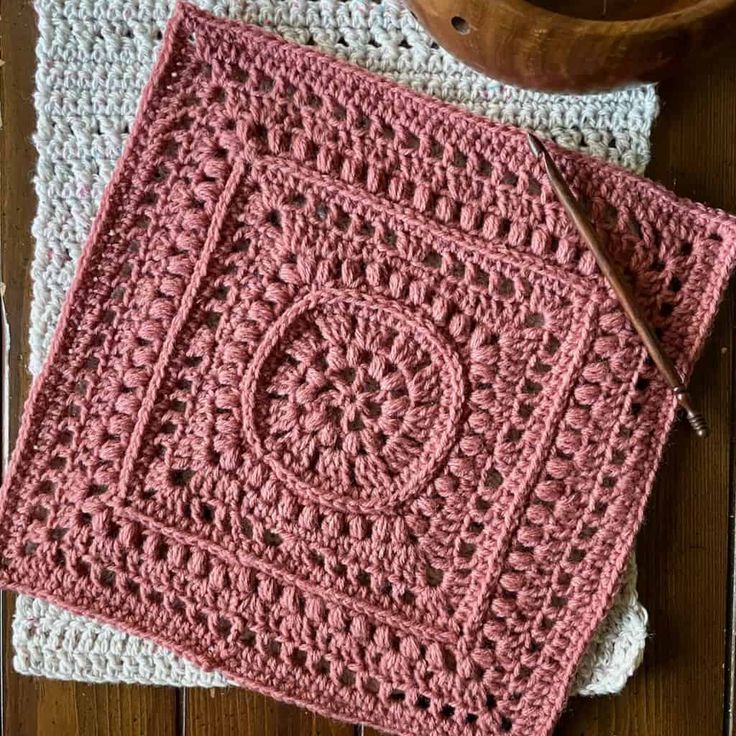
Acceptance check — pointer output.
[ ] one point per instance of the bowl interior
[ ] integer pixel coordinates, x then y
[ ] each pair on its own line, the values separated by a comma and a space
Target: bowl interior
613, 9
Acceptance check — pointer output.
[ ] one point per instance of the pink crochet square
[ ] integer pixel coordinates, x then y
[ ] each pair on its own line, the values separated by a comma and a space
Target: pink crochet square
339, 403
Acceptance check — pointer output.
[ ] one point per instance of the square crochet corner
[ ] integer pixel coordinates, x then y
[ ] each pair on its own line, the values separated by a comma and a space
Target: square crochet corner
339, 404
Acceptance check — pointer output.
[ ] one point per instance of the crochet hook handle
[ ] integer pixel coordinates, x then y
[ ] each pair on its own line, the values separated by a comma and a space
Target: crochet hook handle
621, 288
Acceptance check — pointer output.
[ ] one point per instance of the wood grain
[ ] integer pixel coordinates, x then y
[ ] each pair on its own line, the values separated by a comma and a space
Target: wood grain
523, 42
234, 712
683, 547
67, 708
683, 550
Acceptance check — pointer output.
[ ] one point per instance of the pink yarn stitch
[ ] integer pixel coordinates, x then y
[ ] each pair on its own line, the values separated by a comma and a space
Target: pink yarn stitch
339, 403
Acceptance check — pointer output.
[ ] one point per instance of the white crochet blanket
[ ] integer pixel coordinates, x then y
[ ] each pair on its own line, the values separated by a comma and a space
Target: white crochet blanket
93, 59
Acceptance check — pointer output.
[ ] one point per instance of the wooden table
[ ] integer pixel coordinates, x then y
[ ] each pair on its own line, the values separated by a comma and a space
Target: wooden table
686, 550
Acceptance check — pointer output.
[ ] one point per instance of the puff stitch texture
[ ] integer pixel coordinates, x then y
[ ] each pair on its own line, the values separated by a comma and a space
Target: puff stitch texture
93, 59
225, 451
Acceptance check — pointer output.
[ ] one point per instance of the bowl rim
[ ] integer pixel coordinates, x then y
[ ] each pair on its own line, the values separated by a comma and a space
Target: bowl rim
672, 20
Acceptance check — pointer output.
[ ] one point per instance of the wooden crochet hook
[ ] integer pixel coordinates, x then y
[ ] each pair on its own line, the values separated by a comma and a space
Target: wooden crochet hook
621, 288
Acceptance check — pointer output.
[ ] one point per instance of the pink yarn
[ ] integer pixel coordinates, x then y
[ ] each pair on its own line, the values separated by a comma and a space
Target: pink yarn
339, 403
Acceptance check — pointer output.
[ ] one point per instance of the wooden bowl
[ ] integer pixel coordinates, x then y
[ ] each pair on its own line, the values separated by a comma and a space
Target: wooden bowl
575, 45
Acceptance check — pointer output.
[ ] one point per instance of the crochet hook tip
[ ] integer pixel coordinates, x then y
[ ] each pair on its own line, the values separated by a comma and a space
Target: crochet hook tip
536, 145
622, 290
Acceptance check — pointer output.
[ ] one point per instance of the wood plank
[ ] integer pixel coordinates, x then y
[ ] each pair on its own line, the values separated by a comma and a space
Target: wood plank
234, 712
71, 709
36, 707
683, 548
110, 710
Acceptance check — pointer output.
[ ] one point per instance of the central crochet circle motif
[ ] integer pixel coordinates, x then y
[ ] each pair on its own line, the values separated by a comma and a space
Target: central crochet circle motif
352, 398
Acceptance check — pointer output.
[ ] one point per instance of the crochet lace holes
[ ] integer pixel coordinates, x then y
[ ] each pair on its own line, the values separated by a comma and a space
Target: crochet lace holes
297, 200
642, 384
247, 637
220, 293
241, 245
271, 539
484, 168
273, 648
239, 75
433, 259
423, 702
321, 211
207, 513
363, 578
433, 576
411, 141
658, 265
466, 550
333, 400
223, 627
506, 287
576, 555
634, 227
181, 477
57, 533
212, 319
107, 578
299, 657
447, 711
557, 601
675, 284
534, 319
57, 462
370, 685
347, 677
493, 479
534, 187
39, 513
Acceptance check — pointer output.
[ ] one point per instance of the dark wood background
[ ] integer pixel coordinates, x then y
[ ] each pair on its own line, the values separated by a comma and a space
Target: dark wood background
685, 550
